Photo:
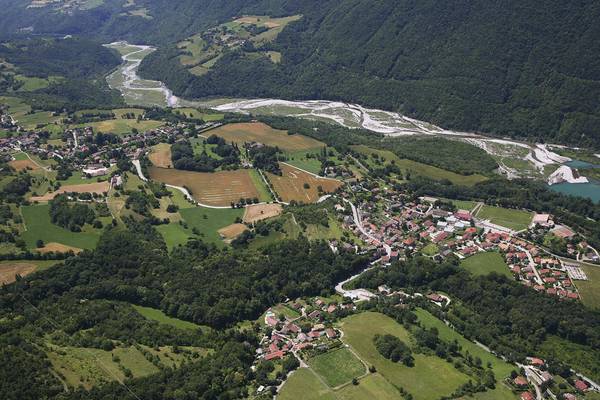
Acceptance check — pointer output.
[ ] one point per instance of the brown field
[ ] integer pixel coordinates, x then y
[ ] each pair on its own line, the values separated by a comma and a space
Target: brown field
290, 186
232, 231
210, 188
21, 165
8, 272
263, 133
259, 212
96, 187
58, 248
160, 155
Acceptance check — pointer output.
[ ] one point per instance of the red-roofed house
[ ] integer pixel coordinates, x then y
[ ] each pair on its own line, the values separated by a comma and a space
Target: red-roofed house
527, 396
274, 355
581, 385
520, 381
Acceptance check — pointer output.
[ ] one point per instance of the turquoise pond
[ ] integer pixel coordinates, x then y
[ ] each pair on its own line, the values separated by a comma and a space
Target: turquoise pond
581, 164
590, 190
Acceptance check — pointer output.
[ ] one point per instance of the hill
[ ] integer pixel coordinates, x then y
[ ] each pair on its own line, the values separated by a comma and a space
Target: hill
513, 69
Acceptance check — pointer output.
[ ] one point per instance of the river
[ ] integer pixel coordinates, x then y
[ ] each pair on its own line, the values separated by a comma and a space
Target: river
138, 91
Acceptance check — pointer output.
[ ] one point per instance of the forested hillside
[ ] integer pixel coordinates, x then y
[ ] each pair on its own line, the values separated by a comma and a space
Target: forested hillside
520, 69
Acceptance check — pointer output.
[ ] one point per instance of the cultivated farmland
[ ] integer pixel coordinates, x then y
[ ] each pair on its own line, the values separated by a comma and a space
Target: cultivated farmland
210, 188
259, 212
263, 133
96, 187
160, 155
8, 269
291, 185
20, 165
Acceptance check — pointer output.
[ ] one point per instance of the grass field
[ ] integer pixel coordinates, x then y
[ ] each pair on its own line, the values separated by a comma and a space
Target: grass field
337, 367
462, 204
194, 113
159, 316
509, 218
484, 263
590, 289
304, 384
210, 188
421, 169
241, 133
90, 367
264, 194
160, 155
39, 226
501, 368
209, 220
430, 250
373, 386
290, 186
430, 378
299, 159
122, 126
174, 234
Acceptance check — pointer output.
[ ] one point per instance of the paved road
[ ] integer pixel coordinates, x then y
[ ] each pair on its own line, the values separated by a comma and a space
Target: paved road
358, 223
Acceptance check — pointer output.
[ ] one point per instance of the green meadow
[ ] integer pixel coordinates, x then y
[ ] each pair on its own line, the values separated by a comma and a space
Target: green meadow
38, 226
484, 263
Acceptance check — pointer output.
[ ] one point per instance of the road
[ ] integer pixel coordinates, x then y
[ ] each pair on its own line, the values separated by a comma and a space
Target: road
359, 225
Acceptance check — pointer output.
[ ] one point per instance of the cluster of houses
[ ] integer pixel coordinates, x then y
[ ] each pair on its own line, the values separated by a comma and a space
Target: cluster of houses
535, 375
309, 330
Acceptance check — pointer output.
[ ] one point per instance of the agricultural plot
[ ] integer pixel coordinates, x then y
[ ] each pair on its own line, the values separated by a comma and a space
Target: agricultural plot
337, 367
210, 188
58, 248
22, 165
430, 378
96, 187
9, 269
245, 132
160, 155
507, 217
38, 226
484, 263
208, 221
259, 212
232, 231
300, 186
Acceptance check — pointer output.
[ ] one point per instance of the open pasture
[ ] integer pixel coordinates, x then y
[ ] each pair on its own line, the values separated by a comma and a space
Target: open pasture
160, 155
507, 217
257, 212
243, 132
96, 187
484, 263
39, 226
337, 367
430, 378
207, 221
210, 188
291, 185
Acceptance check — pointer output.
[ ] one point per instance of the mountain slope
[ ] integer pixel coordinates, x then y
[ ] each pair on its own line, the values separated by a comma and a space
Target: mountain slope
515, 68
